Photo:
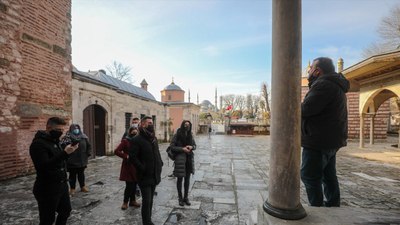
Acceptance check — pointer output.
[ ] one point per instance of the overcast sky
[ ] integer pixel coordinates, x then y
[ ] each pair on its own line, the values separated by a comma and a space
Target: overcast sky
208, 44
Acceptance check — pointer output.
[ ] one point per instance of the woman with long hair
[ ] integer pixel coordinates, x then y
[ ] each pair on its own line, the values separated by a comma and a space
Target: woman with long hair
182, 145
128, 170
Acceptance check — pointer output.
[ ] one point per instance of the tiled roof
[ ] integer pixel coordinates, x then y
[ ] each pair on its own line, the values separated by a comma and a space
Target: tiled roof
117, 84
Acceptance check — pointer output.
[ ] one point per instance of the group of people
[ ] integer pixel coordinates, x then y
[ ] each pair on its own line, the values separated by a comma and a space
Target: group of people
141, 166
323, 133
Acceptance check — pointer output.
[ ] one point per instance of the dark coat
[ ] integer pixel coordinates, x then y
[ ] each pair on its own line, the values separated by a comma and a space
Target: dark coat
128, 170
49, 159
324, 113
79, 158
146, 157
184, 163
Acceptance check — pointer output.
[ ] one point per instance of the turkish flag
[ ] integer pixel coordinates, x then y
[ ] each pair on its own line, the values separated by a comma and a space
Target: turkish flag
229, 107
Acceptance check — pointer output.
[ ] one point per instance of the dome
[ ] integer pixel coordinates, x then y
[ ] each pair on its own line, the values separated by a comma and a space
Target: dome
205, 103
173, 87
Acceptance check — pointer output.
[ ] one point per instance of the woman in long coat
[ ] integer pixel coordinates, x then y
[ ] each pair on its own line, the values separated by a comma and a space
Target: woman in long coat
128, 170
78, 160
182, 145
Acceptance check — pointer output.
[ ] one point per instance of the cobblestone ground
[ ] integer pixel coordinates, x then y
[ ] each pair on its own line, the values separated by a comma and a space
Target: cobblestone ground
231, 180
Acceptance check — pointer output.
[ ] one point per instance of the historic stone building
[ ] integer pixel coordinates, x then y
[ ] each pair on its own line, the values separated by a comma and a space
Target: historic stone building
35, 75
377, 80
178, 109
105, 106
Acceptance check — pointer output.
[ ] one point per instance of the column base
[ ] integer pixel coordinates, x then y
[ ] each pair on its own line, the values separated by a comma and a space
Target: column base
287, 214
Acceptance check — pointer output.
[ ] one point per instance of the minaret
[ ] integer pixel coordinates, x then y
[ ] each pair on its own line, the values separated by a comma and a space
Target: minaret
340, 65
197, 98
220, 102
189, 94
215, 100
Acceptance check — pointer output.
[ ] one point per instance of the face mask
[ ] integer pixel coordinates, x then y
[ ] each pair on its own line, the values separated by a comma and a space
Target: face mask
187, 128
56, 134
150, 128
311, 79
76, 131
135, 125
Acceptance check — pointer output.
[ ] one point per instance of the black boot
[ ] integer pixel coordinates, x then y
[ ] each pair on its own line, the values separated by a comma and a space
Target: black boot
181, 202
186, 201
180, 198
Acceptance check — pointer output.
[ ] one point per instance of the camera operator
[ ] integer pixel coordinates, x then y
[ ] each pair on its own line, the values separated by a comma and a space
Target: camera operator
50, 188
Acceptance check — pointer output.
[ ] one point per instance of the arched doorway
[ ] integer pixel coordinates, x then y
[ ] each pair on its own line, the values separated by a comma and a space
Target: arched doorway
94, 126
370, 109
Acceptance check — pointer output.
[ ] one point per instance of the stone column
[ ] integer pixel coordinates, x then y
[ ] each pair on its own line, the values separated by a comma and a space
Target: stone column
284, 175
371, 130
398, 145
362, 118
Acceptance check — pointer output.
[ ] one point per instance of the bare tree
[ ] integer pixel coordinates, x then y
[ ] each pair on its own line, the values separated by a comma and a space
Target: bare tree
240, 102
389, 32
249, 105
229, 100
265, 95
256, 104
119, 71
262, 105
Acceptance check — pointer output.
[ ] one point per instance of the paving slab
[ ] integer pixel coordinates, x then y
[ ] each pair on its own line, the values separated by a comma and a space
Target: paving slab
228, 187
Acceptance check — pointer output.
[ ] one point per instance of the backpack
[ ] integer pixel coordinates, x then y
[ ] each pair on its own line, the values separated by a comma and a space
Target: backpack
171, 155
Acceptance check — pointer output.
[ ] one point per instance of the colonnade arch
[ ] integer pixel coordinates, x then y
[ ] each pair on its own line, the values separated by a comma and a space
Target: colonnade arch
369, 106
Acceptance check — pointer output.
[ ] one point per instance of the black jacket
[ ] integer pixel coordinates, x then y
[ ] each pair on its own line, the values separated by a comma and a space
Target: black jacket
145, 155
324, 113
184, 163
48, 159
79, 158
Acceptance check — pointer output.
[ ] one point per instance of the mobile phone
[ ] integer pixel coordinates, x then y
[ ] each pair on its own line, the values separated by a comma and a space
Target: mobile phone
74, 142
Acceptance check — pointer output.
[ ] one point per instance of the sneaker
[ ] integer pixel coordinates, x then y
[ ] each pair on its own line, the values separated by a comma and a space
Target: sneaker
124, 206
72, 191
84, 189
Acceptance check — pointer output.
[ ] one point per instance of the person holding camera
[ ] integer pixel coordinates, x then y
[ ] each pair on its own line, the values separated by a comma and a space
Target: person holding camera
50, 188
77, 162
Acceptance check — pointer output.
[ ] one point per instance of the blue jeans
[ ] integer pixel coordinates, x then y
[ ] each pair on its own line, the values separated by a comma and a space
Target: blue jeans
318, 169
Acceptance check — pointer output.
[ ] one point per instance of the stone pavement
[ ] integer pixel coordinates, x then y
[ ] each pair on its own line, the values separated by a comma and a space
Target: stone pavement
229, 185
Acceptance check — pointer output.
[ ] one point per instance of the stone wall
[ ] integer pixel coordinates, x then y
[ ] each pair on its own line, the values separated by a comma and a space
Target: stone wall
116, 104
35, 75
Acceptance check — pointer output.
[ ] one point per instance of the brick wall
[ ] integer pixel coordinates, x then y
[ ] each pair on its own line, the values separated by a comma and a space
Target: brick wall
35, 75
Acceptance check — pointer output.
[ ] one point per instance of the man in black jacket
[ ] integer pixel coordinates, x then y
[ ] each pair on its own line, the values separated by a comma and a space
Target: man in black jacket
145, 155
51, 188
323, 131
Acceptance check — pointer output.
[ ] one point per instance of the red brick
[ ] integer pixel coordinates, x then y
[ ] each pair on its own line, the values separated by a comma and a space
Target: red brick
37, 72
